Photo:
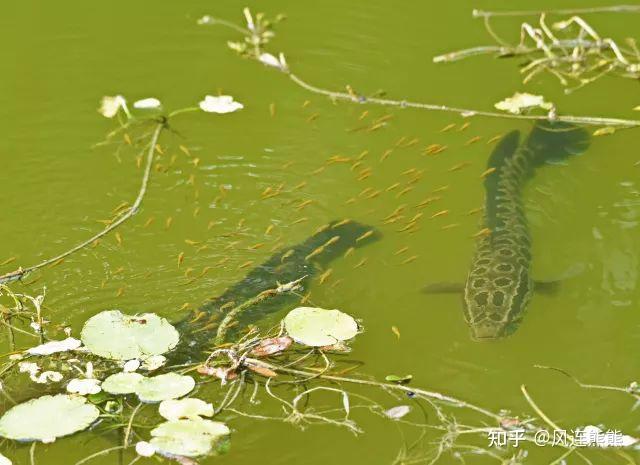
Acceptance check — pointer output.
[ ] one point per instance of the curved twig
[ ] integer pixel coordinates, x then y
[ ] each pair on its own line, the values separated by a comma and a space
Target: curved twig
22, 272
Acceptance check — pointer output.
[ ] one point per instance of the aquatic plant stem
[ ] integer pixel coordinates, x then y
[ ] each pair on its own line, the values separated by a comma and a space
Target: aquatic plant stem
234, 312
465, 112
391, 386
587, 120
22, 272
561, 11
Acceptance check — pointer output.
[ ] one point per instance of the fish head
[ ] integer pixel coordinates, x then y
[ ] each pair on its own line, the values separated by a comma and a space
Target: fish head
495, 298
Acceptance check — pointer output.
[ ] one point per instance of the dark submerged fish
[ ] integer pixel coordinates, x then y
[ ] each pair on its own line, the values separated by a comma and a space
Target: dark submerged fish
291, 263
499, 284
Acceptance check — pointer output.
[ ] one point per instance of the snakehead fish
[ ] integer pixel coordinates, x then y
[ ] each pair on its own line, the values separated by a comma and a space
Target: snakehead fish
499, 284
289, 264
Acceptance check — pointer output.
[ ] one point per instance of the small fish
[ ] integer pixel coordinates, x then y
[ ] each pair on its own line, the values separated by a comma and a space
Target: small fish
459, 166
392, 187
464, 126
180, 259
272, 109
409, 260
494, 139
448, 127
360, 263
473, 211
299, 185
365, 235
269, 229
450, 226
324, 276
386, 154
404, 191
167, 223
483, 232
487, 172
440, 213
396, 331
401, 250
245, 264
473, 140
118, 238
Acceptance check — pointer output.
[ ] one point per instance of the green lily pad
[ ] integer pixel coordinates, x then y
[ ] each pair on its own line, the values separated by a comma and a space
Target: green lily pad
47, 418
318, 327
164, 387
122, 383
114, 335
188, 438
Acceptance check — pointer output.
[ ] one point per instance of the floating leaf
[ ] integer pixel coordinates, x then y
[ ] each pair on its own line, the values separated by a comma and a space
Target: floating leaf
523, 101
163, 387
154, 362
318, 327
122, 383
185, 408
84, 386
4, 460
188, 438
221, 104
395, 413
271, 346
47, 418
399, 379
145, 449
114, 335
53, 347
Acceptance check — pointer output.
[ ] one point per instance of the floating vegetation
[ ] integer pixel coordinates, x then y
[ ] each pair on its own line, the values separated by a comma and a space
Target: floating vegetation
47, 418
113, 335
164, 387
188, 438
317, 327
571, 50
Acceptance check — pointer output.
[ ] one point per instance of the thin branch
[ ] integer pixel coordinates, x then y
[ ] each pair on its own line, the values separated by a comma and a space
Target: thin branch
22, 272
561, 11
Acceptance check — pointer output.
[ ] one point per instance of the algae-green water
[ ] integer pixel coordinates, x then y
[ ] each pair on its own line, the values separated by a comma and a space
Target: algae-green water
60, 58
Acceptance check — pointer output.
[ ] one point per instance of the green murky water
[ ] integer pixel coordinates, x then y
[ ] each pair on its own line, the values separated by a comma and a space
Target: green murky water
59, 60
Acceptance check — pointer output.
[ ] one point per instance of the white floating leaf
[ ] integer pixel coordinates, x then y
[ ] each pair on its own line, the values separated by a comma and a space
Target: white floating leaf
318, 327
131, 365
111, 105
47, 418
114, 335
4, 460
84, 386
53, 347
221, 104
395, 413
47, 376
188, 438
592, 435
185, 408
145, 449
163, 387
523, 101
147, 104
122, 383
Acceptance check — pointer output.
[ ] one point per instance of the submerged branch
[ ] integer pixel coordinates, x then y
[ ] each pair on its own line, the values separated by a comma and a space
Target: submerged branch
22, 272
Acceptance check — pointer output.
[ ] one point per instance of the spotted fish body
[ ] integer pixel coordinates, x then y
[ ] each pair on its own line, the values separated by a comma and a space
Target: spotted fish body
499, 284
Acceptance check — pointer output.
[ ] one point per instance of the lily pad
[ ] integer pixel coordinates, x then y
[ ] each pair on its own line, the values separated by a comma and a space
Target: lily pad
4, 460
164, 387
318, 327
188, 438
47, 418
114, 335
122, 383
185, 408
